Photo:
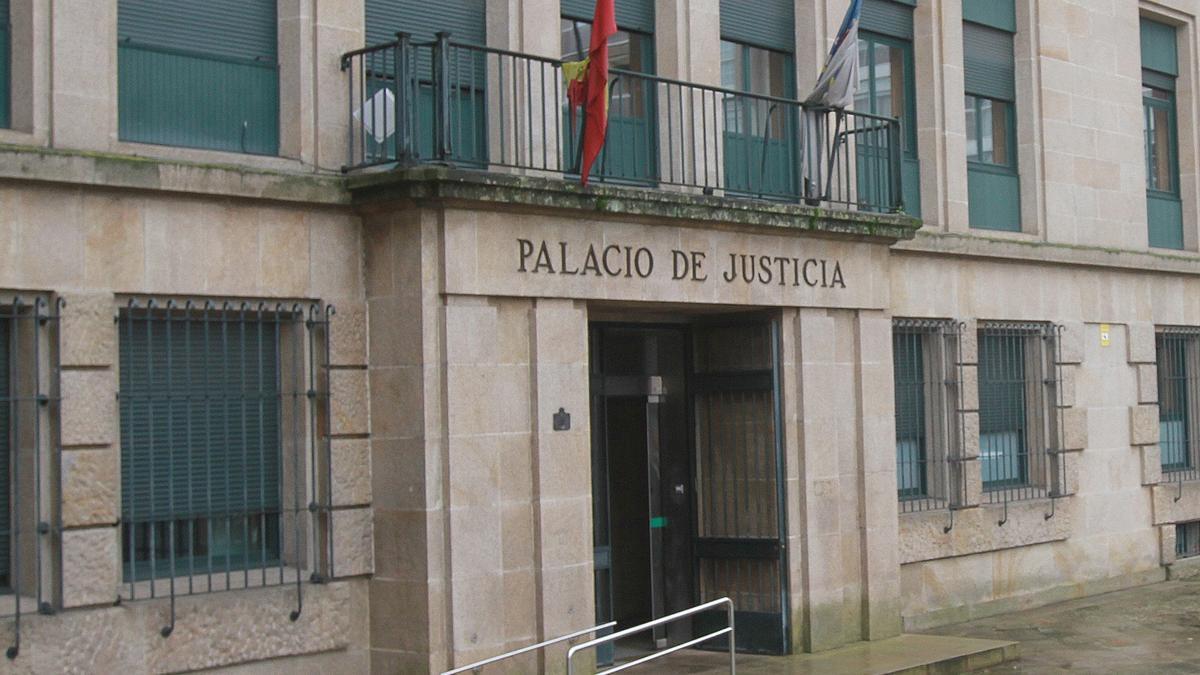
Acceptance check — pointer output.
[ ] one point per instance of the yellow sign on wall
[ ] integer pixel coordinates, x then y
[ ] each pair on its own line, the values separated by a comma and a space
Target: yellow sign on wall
1105, 335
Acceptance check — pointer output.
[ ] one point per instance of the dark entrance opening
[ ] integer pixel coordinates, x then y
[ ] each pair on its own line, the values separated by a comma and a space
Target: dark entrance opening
687, 479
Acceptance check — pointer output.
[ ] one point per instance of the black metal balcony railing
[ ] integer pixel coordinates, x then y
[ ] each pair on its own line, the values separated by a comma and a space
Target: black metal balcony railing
479, 107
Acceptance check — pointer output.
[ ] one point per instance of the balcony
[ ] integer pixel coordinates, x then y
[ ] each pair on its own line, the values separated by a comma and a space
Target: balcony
483, 109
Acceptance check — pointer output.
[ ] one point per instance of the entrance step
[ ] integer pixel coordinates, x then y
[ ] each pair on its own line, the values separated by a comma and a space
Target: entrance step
908, 654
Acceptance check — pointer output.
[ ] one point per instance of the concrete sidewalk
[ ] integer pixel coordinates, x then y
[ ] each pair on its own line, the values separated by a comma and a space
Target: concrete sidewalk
1149, 629
908, 654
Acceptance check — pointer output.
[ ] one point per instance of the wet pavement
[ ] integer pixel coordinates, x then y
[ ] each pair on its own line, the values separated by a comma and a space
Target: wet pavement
1149, 629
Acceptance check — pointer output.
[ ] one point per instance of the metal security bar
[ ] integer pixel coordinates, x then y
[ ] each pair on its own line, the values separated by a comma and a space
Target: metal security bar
30, 446
1020, 408
1178, 354
929, 406
225, 449
1187, 539
481, 107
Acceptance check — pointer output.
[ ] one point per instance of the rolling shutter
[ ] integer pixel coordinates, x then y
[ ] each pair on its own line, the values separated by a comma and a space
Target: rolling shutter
998, 14
199, 412
988, 62
1159, 50
767, 23
236, 29
465, 20
636, 15
887, 18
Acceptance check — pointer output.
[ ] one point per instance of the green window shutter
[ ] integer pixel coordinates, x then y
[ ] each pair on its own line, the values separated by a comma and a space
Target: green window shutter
201, 75
999, 14
636, 15
200, 435
465, 20
5, 68
235, 29
766, 23
908, 368
1173, 401
5, 394
1002, 425
1159, 49
886, 17
988, 62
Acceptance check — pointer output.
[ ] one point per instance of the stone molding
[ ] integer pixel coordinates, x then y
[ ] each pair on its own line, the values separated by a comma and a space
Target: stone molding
977, 529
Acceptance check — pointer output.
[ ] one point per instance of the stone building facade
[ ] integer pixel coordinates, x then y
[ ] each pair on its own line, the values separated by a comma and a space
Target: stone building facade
851, 419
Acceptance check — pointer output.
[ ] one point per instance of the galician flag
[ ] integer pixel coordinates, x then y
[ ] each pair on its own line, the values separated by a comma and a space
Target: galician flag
839, 77
587, 85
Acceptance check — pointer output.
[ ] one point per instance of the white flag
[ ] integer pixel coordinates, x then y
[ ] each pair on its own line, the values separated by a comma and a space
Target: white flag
836, 86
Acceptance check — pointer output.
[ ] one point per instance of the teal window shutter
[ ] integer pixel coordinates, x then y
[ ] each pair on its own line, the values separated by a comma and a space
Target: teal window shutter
202, 75
908, 362
634, 15
1173, 400
770, 24
6, 405
887, 17
5, 67
993, 185
465, 20
200, 444
1002, 410
1159, 48
998, 14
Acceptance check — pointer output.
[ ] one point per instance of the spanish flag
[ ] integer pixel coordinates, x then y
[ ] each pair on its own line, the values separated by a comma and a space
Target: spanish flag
587, 85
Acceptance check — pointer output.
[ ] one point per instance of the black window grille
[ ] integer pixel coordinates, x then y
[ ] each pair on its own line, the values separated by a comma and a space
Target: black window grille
1177, 354
1020, 409
1187, 539
224, 447
29, 452
928, 377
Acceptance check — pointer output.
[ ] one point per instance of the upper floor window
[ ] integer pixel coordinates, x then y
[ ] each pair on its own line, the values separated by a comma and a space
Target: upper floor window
631, 145
1160, 66
758, 134
886, 83
993, 185
5, 67
199, 74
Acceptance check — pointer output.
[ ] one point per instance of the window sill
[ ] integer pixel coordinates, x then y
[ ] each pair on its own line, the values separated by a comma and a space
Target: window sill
977, 529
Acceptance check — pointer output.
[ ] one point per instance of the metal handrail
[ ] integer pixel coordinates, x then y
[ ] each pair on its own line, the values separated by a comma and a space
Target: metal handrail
728, 630
525, 650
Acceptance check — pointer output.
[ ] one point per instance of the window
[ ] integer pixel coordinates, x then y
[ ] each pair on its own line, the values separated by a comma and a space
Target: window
5, 68
992, 182
1187, 539
758, 133
928, 425
1177, 351
29, 453
1164, 208
630, 147
218, 459
886, 84
1018, 406
200, 75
